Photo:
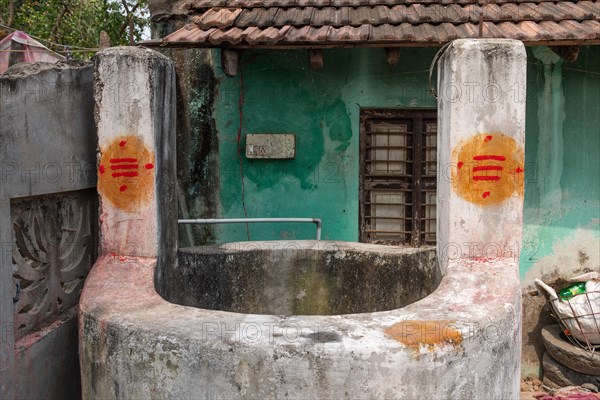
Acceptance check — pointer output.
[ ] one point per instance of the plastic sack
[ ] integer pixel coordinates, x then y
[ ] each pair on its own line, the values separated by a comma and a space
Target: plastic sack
580, 312
20, 47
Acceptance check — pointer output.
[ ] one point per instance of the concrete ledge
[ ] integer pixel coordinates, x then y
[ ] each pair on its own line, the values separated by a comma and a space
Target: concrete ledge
462, 341
300, 277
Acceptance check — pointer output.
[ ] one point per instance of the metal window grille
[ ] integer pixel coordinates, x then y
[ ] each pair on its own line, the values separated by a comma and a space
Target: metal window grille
398, 176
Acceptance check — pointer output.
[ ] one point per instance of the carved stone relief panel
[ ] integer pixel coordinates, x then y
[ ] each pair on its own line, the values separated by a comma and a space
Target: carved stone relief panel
55, 242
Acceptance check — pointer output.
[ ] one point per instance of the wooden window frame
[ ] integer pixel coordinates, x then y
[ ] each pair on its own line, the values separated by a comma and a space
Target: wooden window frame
418, 183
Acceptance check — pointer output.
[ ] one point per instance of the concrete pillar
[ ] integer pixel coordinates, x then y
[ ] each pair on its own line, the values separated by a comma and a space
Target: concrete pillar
481, 89
135, 116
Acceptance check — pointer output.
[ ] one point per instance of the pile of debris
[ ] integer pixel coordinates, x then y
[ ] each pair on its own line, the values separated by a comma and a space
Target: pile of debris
571, 362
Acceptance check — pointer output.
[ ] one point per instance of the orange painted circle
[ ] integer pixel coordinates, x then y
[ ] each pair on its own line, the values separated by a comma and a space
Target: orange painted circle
489, 169
126, 173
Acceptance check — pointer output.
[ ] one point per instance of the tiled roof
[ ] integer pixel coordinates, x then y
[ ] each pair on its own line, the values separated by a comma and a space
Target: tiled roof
306, 23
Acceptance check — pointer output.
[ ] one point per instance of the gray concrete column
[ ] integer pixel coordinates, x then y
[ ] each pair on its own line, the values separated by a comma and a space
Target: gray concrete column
135, 116
481, 89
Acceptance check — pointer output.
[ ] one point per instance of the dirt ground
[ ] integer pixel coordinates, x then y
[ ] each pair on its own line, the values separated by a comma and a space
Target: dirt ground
532, 389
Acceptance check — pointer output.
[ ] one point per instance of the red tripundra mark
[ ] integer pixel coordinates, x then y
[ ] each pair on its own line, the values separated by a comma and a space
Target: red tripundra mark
125, 174
124, 166
123, 160
488, 168
492, 178
489, 157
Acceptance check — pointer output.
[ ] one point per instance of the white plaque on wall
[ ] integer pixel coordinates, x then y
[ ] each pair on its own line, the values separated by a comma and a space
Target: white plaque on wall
260, 145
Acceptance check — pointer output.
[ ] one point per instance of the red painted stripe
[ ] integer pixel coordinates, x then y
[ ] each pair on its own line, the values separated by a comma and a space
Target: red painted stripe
125, 166
488, 168
127, 174
486, 178
488, 157
120, 160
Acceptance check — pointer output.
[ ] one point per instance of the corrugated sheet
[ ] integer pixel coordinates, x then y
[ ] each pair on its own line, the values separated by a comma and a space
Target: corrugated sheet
256, 23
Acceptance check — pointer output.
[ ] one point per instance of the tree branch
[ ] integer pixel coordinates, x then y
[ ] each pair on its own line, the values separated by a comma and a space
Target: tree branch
129, 20
59, 18
125, 6
11, 14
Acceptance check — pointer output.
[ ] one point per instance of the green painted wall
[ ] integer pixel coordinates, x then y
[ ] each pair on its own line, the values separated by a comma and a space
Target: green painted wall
562, 193
283, 95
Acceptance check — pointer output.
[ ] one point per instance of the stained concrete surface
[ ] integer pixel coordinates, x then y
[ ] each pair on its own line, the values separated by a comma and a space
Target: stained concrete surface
47, 140
301, 277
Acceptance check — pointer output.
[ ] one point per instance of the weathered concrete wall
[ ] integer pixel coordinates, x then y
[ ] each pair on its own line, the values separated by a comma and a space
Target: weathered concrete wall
301, 277
561, 231
47, 225
197, 143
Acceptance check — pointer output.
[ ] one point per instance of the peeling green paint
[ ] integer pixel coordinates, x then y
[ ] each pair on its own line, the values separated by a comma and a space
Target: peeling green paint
283, 95
562, 187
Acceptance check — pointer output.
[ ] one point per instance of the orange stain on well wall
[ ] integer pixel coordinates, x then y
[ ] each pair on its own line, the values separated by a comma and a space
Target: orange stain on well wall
415, 334
126, 173
489, 169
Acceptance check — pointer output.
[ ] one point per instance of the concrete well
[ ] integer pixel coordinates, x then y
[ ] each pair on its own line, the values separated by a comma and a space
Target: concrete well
342, 320
301, 277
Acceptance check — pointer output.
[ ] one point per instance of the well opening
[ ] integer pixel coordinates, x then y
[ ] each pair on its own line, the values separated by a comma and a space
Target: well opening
301, 277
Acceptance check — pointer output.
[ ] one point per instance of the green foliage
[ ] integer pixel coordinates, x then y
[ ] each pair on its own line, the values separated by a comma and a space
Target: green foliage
78, 23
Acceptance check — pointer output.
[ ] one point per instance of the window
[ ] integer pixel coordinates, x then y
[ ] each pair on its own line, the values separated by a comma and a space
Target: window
398, 176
